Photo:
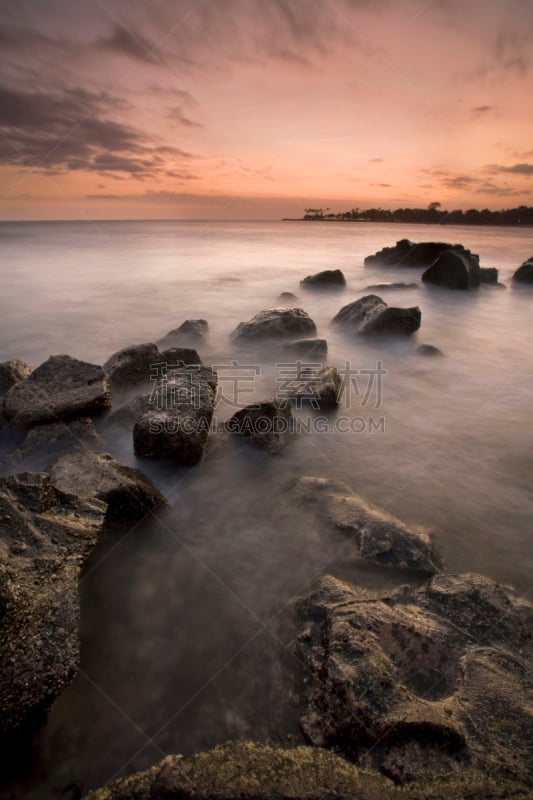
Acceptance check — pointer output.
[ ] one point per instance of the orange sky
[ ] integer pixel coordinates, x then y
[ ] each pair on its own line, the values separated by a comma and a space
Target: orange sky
237, 109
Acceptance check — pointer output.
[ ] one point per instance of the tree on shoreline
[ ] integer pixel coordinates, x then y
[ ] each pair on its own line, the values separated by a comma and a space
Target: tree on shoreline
523, 215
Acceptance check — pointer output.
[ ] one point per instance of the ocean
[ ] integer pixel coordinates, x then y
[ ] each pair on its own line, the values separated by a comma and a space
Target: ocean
185, 621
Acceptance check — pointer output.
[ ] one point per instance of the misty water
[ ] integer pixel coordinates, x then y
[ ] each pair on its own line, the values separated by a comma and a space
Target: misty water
185, 620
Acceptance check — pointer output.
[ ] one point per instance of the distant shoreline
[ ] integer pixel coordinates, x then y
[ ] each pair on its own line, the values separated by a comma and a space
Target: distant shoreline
466, 224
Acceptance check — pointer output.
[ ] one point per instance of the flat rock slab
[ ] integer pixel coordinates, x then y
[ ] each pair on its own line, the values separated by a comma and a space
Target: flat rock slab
421, 684
128, 494
275, 323
268, 425
177, 423
132, 365
45, 538
61, 388
371, 315
379, 537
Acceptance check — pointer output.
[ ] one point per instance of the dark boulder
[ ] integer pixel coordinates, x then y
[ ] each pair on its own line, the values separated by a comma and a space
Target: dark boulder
132, 365
371, 315
524, 274
11, 372
318, 387
177, 422
275, 323
422, 685
308, 348
429, 350
287, 297
180, 357
378, 537
127, 493
327, 279
60, 388
45, 539
193, 331
454, 270
268, 425
410, 254
488, 275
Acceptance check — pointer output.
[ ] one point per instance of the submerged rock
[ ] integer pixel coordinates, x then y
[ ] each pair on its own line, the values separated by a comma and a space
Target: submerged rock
275, 323
11, 372
410, 254
180, 357
454, 270
327, 279
524, 274
378, 287
44, 541
176, 424
61, 388
128, 494
424, 685
428, 350
378, 536
287, 296
45, 442
268, 424
308, 348
132, 365
371, 315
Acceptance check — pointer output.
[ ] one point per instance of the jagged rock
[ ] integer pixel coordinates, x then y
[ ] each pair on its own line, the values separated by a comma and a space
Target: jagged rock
11, 372
378, 536
275, 323
128, 494
287, 296
327, 279
135, 364
454, 270
524, 274
488, 275
371, 315
176, 425
60, 388
319, 387
422, 684
44, 541
44, 443
308, 348
410, 254
378, 287
428, 350
180, 356
268, 425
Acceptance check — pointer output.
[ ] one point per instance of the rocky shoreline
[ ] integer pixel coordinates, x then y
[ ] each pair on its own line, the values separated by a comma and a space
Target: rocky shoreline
422, 692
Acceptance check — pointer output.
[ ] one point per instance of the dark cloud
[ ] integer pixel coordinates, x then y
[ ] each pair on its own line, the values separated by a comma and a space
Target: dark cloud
177, 115
459, 182
129, 43
72, 130
488, 187
382, 185
515, 169
481, 111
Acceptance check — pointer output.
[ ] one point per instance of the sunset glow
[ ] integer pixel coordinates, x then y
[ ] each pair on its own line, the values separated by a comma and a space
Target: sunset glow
238, 109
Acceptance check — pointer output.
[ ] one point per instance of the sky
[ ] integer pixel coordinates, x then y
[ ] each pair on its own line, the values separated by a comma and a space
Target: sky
257, 109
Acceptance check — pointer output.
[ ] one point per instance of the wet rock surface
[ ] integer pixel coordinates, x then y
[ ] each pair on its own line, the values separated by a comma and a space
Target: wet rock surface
379, 537
268, 425
453, 270
424, 684
132, 365
176, 423
61, 388
275, 323
45, 538
371, 315
327, 279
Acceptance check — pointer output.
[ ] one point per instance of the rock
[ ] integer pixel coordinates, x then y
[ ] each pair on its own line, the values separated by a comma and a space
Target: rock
421, 684
379, 537
428, 350
243, 770
135, 364
127, 415
371, 315
409, 254
192, 330
176, 425
180, 357
11, 372
454, 270
318, 387
488, 275
378, 287
524, 274
44, 541
44, 443
308, 348
269, 425
128, 494
61, 388
327, 279
275, 323
288, 296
